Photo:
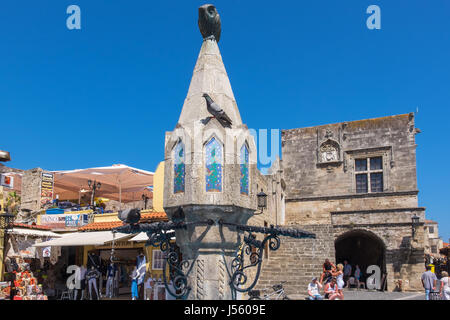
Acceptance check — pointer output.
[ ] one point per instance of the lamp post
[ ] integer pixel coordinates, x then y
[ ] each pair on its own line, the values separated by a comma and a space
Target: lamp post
415, 222
145, 198
93, 186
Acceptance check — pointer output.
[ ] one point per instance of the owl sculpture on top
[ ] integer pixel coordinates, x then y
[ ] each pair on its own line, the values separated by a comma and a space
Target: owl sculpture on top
209, 22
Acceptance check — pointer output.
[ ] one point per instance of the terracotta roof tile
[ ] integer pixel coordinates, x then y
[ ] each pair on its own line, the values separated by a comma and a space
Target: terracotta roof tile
97, 226
31, 226
101, 226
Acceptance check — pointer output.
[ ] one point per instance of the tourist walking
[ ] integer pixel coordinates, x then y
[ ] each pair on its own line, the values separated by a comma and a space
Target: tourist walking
347, 271
429, 280
134, 286
148, 285
313, 290
444, 289
358, 277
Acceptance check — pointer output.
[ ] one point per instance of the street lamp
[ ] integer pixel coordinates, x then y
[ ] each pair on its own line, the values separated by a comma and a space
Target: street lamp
145, 198
415, 222
262, 200
93, 186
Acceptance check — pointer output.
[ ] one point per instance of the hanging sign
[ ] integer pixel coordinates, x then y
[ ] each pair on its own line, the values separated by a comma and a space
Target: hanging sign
46, 188
7, 181
76, 220
64, 220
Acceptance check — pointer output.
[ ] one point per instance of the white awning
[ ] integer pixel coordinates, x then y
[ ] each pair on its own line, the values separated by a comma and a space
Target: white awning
96, 238
142, 236
33, 233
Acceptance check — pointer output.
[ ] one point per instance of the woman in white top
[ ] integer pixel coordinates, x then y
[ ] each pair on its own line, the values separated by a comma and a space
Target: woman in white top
331, 290
339, 274
445, 288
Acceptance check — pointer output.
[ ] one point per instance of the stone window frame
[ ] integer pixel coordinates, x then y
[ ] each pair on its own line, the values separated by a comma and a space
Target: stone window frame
387, 163
174, 143
205, 143
247, 145
368, 172
174, 147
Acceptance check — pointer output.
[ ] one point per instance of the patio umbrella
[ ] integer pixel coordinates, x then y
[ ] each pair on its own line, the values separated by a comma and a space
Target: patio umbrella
118, 182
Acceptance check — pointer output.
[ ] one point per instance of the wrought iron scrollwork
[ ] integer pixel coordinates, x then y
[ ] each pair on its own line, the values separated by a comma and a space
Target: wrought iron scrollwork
160, 234
180, 288
254, 249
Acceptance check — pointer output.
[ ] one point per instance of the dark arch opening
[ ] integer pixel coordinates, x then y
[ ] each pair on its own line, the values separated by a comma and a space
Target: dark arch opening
362, 248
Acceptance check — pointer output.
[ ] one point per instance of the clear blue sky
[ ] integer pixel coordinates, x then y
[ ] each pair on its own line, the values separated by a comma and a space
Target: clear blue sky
107, 93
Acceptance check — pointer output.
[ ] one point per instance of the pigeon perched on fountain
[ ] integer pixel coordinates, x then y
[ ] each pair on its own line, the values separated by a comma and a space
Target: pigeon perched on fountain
217, 112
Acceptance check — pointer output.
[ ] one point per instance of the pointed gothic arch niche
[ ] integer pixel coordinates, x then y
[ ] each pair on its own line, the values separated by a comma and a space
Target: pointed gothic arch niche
244, 168
329, 151
213, 165
179, 167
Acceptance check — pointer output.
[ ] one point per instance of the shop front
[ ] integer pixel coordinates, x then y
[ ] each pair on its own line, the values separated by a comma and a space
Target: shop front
125, 257
127, 248
27, 268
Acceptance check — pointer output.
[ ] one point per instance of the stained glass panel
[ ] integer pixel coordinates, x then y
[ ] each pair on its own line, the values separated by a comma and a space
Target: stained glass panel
213, 166
179, 169
244, 170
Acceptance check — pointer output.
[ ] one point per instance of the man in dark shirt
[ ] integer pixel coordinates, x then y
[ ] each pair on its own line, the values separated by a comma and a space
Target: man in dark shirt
328, 268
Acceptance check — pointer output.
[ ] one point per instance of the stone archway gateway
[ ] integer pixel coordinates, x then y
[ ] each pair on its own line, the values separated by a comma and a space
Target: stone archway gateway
363, 248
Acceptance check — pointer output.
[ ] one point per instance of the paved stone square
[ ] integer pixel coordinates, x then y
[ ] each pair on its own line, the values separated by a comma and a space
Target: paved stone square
353, 294
378, 295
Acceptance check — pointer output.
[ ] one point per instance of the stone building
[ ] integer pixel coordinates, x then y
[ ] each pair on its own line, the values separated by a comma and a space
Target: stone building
432, 240
353, 184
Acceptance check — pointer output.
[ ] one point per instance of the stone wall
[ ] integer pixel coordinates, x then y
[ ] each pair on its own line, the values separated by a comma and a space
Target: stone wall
31, 190
317, 210
298, 260
319, 172
391, 137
